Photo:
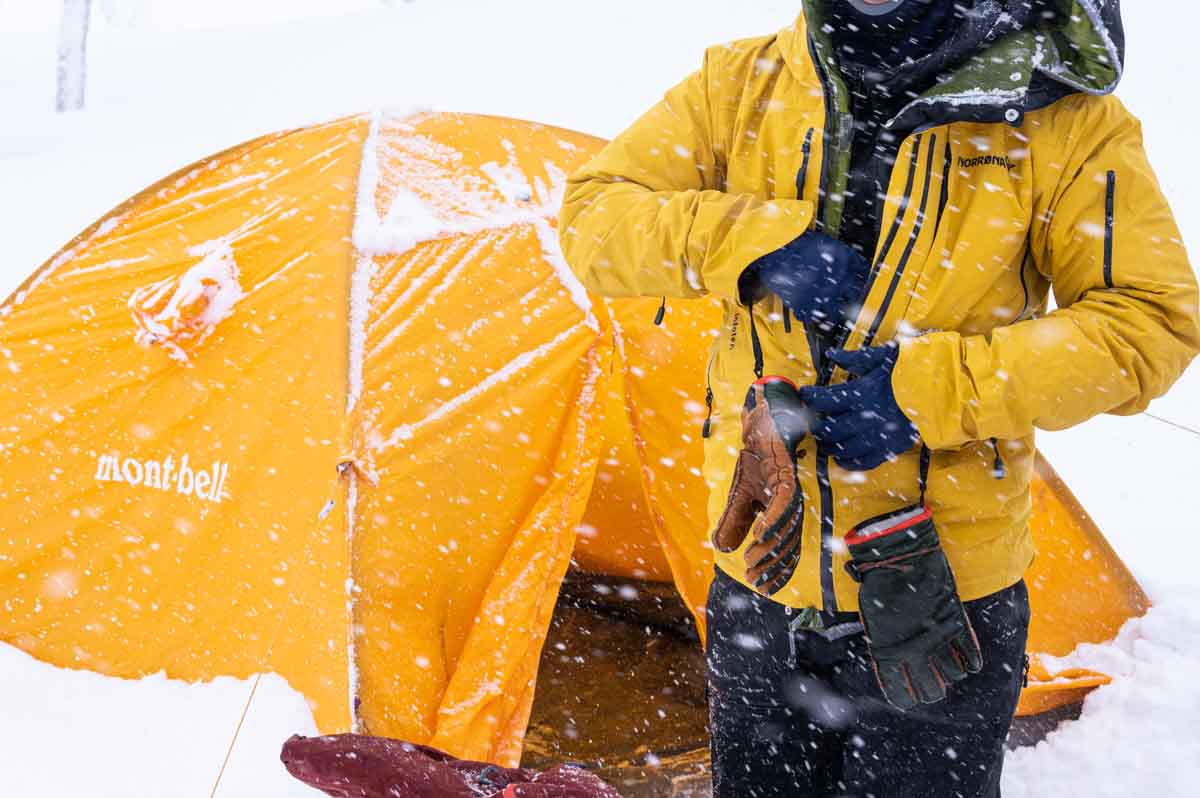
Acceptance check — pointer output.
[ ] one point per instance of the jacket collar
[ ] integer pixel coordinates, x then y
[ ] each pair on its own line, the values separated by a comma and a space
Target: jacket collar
1002, 63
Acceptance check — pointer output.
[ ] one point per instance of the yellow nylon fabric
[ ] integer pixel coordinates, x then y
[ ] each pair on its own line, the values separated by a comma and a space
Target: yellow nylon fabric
482, 386
121, 566
404, 411
664, 388
978, 221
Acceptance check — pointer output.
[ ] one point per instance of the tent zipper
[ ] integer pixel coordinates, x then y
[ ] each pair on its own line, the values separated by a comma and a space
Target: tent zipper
660, 313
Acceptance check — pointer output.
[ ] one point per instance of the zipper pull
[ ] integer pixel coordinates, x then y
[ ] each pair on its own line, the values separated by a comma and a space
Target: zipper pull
662, 311
708, 403
845, 131
999, 469
787, 320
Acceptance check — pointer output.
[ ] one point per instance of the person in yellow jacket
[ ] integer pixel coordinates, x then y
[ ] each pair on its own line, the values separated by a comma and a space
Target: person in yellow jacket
883, 196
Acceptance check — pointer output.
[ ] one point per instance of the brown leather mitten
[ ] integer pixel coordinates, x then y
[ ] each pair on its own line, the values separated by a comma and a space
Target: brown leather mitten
765, 499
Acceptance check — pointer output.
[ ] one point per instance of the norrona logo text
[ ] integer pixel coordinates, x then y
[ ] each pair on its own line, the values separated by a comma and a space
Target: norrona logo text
166, 474
985, 160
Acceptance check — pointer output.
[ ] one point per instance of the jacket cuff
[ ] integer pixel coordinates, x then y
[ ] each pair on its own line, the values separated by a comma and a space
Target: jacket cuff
925, 389
760, 230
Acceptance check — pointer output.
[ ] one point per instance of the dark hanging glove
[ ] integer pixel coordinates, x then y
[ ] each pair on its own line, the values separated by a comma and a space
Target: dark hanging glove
818, 278
861, 425
920, 638
765, 498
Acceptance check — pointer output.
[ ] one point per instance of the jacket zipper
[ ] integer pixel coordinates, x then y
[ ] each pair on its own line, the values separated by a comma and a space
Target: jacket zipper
826, 373
1110, 197
828, 594
944, 196
802, 176
801, 180
839, 130
908, 250
1024, 284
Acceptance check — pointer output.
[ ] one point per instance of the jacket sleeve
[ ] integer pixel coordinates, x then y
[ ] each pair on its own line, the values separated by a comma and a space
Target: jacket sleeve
1125, 327
648, 215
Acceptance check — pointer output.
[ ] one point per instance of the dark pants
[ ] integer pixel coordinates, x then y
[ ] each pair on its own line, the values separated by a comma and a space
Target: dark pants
799, 714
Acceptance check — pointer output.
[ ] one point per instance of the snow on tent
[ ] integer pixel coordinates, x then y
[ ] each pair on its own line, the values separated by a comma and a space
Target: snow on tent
329, 404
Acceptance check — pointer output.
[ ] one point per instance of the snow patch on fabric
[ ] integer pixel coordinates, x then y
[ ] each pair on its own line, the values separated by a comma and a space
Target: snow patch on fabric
180, 313
405, 432
432, 197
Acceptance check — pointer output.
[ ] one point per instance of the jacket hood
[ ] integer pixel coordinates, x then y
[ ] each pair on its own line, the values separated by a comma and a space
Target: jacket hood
1008, 57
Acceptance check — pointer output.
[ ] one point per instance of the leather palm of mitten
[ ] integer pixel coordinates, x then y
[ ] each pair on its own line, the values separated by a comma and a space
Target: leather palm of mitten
765, 499
919, 635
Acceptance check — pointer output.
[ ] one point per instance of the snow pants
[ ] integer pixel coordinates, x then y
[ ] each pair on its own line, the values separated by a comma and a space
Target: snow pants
798, 713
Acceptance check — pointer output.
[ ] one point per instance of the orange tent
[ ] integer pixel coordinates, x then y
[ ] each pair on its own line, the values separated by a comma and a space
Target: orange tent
330, 404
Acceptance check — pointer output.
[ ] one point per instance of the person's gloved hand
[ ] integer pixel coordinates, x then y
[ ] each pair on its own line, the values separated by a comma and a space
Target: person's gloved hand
861, 424
920, 638
817, 277
765, 499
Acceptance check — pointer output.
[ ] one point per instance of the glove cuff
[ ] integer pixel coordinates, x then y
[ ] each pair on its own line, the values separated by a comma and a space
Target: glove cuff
771, 378
893, 534
750, 287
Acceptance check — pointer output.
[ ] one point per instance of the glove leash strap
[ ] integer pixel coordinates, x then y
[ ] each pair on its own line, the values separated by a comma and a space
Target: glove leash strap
923, 476
755, 344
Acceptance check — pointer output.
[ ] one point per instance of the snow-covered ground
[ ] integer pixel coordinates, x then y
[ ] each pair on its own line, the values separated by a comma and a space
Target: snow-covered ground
71, 734
173, 80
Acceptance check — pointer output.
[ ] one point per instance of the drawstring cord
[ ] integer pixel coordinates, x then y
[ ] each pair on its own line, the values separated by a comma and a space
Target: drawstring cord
708, 395
808, 619
706, 430
662, 312
999, 469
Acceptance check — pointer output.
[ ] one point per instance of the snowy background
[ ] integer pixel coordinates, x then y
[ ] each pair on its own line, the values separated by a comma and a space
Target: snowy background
170, 81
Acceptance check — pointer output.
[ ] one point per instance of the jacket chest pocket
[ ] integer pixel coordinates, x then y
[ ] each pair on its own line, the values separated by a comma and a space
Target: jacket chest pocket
979, 273
955, 251
777, 159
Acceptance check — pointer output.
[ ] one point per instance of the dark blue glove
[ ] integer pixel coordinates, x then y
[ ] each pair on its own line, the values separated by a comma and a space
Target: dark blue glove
818, 278
861, 425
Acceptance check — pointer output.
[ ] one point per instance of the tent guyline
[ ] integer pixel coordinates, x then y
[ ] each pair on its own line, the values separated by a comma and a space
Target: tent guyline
1175, 424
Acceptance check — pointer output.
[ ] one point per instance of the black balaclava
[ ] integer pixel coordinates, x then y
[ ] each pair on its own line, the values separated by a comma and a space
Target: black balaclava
887, 54
890, 34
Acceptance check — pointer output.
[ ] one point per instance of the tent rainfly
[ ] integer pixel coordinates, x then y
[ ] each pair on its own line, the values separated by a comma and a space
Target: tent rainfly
330, 404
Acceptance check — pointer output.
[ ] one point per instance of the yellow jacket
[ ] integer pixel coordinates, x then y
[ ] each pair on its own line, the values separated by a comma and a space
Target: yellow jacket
1036, 181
